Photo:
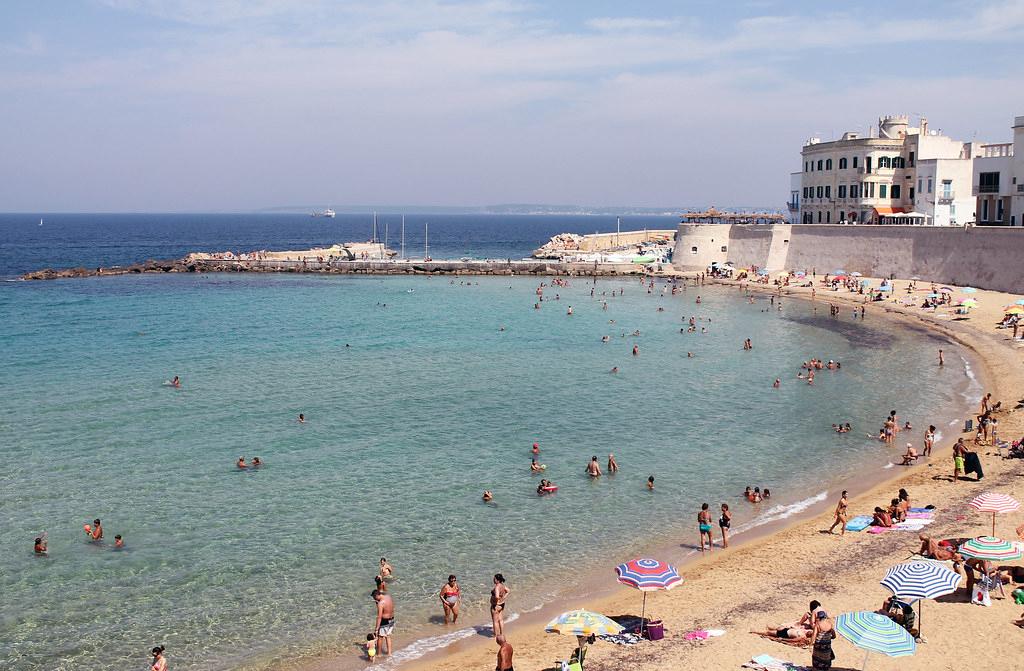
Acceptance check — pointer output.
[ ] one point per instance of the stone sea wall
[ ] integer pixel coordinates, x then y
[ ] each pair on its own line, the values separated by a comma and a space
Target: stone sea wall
984, 257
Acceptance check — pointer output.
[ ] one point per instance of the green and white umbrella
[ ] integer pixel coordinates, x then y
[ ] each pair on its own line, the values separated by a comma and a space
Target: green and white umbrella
874, 632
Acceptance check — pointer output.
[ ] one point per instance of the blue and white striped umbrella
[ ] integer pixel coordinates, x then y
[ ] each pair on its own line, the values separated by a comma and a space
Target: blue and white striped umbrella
876, 633
921, 580
969, 290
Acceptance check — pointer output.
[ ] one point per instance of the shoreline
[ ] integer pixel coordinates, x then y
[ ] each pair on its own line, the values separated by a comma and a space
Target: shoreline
445, 648
984, 357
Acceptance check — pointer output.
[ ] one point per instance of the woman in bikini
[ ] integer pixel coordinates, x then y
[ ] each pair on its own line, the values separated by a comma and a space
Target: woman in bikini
159, 662
823, 633
498, 597
841, 508
450, 597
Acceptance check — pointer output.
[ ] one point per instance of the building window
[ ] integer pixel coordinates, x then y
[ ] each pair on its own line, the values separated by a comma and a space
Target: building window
805, 193
854, 162
988, 182
871, 189
882, 189
819, 164
828, 217
805, 166
919, 183
895, 192
999, 210
911, 193
912, 160
842, 164
929, 185
984, 210
947, 188
828, 164
867, 164
819, 217
897, 162
842, 191
821, 192
841, 218
883, 162
828, 191
693, 250
724, 249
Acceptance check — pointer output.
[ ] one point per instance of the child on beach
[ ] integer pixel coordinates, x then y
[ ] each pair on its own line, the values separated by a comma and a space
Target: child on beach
371, 647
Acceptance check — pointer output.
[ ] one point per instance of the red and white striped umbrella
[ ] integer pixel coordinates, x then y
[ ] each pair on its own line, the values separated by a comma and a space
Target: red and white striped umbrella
994, 502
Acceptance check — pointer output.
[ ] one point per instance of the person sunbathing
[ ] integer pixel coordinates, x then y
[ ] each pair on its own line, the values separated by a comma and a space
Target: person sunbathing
790, 632
881, 518
896, 512
932, 549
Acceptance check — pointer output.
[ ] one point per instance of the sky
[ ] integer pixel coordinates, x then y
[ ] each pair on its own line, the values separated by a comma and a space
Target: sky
238, 105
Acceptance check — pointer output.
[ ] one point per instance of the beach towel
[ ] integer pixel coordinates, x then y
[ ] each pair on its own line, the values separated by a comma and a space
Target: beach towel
769, 663
859, 523
919, 516
879, 530
929, 509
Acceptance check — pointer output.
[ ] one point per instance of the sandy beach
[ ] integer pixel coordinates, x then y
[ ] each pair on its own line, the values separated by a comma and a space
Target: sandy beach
768, 581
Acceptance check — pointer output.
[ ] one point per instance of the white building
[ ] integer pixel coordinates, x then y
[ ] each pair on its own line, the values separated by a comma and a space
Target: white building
875, 179
998, 181
793, 206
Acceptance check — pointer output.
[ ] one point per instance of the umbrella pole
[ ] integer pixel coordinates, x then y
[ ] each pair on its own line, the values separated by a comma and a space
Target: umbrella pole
865, 664
993, 524
643, 610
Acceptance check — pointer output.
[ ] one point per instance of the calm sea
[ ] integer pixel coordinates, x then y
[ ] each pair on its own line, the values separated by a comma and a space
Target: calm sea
417, 400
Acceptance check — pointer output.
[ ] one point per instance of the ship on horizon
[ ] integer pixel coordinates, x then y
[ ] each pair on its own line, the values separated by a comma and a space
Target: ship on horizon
329, 213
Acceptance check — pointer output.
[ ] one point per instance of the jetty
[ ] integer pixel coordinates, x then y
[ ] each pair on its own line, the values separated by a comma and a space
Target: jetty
600, 254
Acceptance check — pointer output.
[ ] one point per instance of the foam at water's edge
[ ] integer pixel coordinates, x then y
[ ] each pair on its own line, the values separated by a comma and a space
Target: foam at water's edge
423, 646
782, 512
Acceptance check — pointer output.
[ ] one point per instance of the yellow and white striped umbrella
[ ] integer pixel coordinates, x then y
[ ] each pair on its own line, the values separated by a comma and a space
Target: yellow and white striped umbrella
583, 623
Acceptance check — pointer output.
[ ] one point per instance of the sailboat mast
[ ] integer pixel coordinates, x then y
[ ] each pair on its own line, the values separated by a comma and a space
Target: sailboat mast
384, 251
403, 236
426, 238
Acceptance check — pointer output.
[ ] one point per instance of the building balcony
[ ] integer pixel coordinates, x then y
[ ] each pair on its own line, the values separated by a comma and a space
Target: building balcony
945, 198
990, 189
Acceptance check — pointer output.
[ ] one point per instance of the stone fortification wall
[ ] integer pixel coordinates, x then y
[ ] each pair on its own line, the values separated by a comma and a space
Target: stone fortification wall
986, 257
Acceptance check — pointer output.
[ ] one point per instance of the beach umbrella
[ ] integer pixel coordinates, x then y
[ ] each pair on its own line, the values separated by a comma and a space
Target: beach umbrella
968, 303
1015, 310
991, 548
648, 575
856, 274
994, 502
885, 287
865, 282
969, 290
1020, 301
804, 272
946, 290
874, 632
583, 623
934, 295
762, 271
838, 272
919, 580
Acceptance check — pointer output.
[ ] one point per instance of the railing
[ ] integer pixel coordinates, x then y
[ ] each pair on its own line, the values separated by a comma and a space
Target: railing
986, 188
946, 197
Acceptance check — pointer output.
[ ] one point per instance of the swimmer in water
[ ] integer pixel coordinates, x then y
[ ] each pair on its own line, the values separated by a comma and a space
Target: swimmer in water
636, 350
536, 448
241, 463
593, 469
176, 383
689, 355
385, 569
615, 369
96, 533
569, 312
776, 384
256, 462
118, 542
40, 545
650, 482
613, 466
302, 418
534, 466
488, 496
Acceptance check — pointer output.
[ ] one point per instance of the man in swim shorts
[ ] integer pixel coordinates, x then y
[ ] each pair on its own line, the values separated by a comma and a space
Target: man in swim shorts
593, 469
504, 654
385, 623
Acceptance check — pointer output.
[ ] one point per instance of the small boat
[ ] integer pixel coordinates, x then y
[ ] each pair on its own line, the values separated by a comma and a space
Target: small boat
329, 213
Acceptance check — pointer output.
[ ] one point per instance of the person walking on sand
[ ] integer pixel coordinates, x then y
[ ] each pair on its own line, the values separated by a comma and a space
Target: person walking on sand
704, 525
499, 596
929, 440
724, 523
504, 654
841, 515
941, 361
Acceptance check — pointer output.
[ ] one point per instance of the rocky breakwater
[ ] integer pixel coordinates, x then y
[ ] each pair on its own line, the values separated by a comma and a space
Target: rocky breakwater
151, 266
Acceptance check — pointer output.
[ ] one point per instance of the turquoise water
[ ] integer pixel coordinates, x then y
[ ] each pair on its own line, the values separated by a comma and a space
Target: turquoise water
430, 404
